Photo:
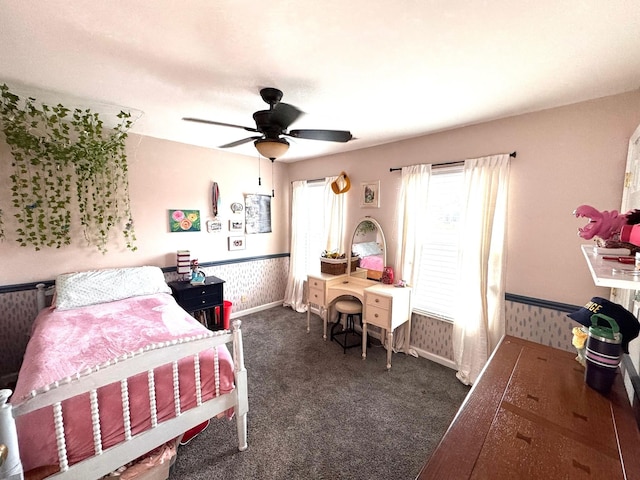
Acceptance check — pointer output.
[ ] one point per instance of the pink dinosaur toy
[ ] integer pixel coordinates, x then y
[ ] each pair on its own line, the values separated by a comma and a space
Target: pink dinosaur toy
602, 224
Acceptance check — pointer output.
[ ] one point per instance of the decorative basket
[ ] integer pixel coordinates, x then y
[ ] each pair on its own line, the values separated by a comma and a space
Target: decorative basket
337, 266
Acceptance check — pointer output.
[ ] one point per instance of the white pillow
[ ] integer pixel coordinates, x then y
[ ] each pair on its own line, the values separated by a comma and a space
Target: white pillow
74, 290
365, 249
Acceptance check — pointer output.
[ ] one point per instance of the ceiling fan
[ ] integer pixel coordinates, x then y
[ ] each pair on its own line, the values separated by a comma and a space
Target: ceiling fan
272, 125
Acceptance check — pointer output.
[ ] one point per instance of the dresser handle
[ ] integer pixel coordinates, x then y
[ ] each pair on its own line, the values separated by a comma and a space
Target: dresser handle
523, 437
375, 315
377, 300
204, 301
203, 292
581, 466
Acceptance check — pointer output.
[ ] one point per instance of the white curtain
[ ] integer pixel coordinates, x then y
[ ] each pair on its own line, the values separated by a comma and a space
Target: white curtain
479, 321
294, 293
412, 204
300, 261
334, 217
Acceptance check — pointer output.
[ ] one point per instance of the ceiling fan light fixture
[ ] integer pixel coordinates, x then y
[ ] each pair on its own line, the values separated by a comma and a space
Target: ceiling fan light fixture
271, 148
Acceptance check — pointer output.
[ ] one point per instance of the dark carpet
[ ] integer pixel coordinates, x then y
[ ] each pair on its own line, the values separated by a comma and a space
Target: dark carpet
316, 413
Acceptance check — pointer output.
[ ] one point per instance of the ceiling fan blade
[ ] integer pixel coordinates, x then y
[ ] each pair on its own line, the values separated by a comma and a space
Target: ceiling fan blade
327, 135
239, 142
211, 122
284, 115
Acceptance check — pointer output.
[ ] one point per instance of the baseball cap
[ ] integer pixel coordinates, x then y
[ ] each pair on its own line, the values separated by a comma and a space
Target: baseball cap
628, 323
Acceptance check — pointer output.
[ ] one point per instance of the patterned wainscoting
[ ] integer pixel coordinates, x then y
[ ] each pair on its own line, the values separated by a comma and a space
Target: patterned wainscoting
542, 322
260, 281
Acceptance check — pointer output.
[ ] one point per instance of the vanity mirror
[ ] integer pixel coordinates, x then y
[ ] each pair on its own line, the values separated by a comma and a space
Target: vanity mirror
369, 244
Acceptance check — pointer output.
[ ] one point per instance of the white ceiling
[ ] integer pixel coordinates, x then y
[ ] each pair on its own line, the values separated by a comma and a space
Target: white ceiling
383, 69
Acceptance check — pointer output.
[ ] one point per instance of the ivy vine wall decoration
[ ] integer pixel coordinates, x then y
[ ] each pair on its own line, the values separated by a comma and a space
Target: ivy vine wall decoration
67, 167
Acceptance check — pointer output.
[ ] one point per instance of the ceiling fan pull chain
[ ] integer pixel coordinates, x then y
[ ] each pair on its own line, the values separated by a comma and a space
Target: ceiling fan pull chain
259, 179
273, 192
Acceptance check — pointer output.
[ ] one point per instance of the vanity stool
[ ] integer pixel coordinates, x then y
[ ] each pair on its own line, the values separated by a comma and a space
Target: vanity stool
350, 308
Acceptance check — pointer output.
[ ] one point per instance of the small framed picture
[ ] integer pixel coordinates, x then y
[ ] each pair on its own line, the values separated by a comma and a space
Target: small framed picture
370, 194
237, 243
214, 226
236, 226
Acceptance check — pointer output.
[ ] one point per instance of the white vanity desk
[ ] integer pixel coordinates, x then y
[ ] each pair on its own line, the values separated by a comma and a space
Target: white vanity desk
385, 306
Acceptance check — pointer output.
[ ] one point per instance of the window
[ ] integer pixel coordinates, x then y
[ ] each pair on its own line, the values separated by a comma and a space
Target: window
435, 291
316, 236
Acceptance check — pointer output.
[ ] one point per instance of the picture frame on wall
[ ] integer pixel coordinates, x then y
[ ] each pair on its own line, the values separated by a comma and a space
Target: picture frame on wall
237, 243
236, 226
370, 194
184, 220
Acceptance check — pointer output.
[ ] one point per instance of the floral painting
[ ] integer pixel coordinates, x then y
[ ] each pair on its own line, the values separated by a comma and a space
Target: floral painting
184, 220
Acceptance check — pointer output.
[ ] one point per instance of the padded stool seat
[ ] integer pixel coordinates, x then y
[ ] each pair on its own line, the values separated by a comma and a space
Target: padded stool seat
350, 308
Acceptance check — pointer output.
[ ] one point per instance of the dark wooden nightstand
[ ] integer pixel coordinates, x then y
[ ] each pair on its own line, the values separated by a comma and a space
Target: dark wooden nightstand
201, 301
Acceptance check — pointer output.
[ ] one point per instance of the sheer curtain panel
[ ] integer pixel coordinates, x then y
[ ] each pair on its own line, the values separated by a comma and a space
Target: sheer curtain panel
412, 203
294, 293
479, 319
334, 217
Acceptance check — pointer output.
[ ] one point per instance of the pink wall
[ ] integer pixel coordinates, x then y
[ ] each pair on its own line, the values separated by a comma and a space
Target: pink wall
565, 157
163, 175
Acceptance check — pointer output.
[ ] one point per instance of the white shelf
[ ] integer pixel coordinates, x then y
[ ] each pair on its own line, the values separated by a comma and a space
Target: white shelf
610, 273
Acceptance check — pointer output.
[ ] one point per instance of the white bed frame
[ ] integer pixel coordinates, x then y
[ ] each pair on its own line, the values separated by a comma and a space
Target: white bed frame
119, 370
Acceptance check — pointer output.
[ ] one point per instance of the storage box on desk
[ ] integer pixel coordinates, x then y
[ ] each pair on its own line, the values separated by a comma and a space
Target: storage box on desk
337, 266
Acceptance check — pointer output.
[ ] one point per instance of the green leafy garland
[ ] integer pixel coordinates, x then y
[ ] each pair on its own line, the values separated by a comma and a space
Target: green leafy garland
59, 154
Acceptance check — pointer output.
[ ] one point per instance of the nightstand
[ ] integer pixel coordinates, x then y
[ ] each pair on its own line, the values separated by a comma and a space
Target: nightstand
202, 301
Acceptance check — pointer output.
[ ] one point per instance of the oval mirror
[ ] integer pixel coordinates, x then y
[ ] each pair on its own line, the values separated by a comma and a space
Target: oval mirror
369, 245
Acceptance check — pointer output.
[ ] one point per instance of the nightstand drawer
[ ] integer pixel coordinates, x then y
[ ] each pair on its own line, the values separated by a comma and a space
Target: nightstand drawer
213, 293
201, 302
379, 301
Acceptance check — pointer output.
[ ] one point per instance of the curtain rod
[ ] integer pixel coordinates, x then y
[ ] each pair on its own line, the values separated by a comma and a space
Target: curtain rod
459, 162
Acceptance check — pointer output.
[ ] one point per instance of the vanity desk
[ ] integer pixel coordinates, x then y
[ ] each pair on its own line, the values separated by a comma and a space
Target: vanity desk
384, 306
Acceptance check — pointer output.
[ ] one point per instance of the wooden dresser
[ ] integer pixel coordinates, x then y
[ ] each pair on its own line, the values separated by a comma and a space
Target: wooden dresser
530, 415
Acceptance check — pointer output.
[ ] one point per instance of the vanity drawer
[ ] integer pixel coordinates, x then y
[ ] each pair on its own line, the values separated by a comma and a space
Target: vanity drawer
316, 296
316, 283
377, 316
379, 301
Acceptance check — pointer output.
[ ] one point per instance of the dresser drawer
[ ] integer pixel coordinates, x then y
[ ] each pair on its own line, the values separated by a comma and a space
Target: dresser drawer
377, 316
521, 448
316, 296
379, 301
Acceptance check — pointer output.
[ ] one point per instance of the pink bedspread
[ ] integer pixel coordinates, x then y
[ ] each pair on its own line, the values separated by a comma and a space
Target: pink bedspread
372, 262
69, 341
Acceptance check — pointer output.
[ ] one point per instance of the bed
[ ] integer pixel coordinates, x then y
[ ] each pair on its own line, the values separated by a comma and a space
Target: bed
113, 370
371, 257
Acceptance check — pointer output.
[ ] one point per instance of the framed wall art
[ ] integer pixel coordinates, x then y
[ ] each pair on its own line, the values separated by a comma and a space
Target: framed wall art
214, 226
184, 220
237, 243
370, 194
236, 226
257, 213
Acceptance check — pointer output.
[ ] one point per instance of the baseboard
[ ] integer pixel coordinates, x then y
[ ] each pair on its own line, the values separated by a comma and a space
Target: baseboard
435, 358
260, 308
